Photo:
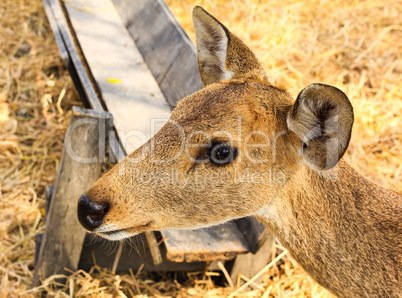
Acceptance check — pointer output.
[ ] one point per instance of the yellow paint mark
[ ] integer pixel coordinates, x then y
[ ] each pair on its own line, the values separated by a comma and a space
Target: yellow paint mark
114, 81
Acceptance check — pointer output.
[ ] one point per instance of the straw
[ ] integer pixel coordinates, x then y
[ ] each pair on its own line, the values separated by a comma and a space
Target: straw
354, 45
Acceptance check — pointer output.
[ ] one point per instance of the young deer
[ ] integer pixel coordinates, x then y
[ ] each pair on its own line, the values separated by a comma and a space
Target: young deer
242, 147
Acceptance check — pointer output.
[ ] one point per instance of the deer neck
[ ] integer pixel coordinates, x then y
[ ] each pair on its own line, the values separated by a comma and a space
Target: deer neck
341, 229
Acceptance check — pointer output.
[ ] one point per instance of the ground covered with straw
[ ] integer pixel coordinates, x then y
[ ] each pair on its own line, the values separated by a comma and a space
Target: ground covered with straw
354, 45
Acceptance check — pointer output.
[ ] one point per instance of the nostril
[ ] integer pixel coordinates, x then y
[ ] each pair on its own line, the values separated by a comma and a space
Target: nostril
91, 214
99, 211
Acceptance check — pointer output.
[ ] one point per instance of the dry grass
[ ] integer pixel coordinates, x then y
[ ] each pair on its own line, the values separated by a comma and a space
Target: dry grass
355, 45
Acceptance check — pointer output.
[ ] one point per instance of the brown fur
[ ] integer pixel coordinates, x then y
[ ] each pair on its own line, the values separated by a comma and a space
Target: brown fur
344, 230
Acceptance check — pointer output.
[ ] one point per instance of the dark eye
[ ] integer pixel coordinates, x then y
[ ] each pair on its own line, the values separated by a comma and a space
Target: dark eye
221, 153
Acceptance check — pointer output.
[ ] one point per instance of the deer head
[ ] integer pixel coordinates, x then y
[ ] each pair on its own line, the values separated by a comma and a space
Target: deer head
227, 151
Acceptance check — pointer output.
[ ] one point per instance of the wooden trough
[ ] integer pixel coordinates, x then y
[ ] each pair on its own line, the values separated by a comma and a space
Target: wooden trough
129, 61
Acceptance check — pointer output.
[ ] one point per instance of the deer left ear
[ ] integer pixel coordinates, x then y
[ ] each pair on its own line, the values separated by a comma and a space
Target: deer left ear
322, 117
221, 55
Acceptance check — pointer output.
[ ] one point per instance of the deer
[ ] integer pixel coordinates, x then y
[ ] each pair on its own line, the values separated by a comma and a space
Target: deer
345, 231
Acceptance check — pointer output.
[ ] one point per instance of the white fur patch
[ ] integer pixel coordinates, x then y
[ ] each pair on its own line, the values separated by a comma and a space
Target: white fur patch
212, 44
106, 231
267, 213
106, 228
116, 236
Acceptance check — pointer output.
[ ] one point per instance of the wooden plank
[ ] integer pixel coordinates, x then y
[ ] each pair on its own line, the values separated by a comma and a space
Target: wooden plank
48, 197
170, 54
65, 55
153, 247
255, 232
56, 32
134, 256
118, 152
128, 88
250, 264
222, 242
64, 236
74, 57
81, 78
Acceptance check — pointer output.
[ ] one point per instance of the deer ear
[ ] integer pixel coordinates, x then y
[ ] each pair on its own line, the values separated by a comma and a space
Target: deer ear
221, 55
322, 117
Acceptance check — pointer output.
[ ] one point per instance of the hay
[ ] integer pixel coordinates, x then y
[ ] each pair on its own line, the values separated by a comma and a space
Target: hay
355, 45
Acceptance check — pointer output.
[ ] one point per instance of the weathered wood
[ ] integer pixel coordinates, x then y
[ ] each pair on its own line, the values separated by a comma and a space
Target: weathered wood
135, 255
82, 79
222, 242
255, 232
250, 264
48, 197
56, 31
128, 88
169, 53
74, 57
115, 147
153, 247
80, 167
65, 56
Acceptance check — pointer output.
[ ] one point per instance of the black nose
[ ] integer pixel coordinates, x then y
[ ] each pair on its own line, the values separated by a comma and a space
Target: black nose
91, 214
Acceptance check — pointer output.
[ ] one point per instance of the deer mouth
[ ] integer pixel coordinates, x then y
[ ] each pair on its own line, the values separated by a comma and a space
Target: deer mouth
120, 234
115, 235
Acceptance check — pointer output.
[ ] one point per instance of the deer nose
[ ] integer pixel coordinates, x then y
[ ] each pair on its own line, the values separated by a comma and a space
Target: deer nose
91, 214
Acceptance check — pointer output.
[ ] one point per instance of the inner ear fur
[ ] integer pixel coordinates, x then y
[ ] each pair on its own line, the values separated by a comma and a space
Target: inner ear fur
221, 55
322, 117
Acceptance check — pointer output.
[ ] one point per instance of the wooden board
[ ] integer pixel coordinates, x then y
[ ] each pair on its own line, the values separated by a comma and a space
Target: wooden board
169, 53
255, 232
74, 57
64, 236
128, 88
250, 264
133, 257
222, 242
56, 24
57, 34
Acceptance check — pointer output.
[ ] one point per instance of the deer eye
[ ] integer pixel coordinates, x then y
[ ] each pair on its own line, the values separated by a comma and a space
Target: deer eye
221, 153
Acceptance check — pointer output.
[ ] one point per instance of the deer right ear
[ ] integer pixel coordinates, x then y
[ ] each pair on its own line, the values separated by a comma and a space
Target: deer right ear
221, 55
322, 117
